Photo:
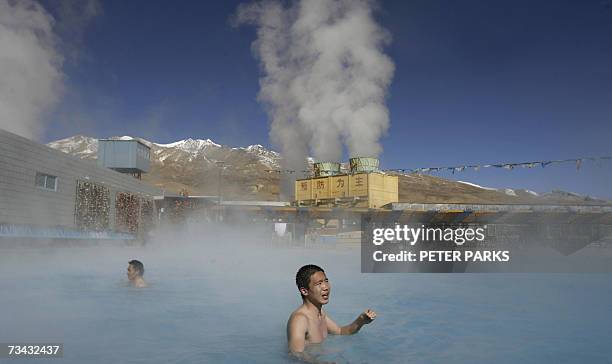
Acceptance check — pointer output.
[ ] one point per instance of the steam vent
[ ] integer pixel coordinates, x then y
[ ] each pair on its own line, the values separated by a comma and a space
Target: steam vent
364, 186
363, 165
323, 169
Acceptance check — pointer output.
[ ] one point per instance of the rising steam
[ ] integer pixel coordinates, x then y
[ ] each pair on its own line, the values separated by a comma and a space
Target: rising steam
325, 76
31, 78
33, 48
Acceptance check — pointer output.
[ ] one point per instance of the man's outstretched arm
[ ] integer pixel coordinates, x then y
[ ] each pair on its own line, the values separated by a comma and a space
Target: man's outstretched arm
365, 318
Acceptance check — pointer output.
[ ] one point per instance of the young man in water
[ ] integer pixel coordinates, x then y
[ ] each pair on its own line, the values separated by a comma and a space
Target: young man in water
135, 271
309, 324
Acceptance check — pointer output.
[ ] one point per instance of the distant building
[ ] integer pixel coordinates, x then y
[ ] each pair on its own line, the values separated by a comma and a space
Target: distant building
125, 156
45, 193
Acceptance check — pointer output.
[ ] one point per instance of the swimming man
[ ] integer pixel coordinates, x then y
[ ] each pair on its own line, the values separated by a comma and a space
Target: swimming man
309, 324
135, 271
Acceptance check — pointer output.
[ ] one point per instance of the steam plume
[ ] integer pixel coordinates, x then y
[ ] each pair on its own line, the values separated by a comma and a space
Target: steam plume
325, 76
31, 78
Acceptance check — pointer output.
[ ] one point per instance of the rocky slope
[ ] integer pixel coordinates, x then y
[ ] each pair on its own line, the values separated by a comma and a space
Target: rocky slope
421, 188
194, 166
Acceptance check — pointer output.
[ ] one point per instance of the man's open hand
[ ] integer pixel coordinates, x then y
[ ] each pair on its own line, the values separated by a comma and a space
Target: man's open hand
367, 316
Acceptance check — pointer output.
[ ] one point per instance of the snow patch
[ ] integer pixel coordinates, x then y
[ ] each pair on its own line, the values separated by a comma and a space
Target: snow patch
478, 186
190, 145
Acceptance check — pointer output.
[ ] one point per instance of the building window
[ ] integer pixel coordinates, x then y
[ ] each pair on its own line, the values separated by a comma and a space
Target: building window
46, 181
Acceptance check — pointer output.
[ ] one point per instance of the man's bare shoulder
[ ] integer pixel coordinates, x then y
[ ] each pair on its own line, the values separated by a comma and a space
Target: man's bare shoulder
297, 325
140, 283
298, 316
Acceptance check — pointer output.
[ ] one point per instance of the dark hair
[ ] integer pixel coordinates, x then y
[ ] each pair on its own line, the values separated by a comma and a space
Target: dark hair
137, 264
302, 278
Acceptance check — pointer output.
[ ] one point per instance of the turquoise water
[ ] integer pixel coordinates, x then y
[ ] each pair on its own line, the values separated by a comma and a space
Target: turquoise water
230, 305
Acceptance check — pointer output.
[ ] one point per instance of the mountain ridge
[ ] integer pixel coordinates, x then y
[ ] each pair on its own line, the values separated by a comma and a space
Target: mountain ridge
193, 166
203, 167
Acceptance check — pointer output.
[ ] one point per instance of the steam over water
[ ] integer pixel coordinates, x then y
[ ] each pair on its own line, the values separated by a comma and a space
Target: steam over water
223, 298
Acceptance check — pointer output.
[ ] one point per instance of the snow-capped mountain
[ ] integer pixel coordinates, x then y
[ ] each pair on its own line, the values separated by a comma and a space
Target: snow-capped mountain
193, 164
194, 146
78, 145
204, 149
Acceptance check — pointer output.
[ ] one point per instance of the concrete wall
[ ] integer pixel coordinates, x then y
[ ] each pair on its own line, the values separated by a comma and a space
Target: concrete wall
21, 202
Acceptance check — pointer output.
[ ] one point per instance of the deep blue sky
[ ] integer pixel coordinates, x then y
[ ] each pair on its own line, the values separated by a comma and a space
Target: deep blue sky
475, 82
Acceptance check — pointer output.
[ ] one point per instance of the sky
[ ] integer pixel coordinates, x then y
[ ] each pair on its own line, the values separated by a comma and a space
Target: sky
474, 82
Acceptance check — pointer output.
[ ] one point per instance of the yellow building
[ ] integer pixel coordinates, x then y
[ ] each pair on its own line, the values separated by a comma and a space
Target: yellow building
365, 187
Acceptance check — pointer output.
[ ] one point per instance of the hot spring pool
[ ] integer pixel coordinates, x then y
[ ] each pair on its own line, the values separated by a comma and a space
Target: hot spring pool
230, 305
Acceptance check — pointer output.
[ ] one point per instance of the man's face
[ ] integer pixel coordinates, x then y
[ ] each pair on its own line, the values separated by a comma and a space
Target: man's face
132, 273
319, 288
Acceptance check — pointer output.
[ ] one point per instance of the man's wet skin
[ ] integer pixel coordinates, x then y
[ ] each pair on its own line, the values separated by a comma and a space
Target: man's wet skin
310, 324
312, 312
134, 277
